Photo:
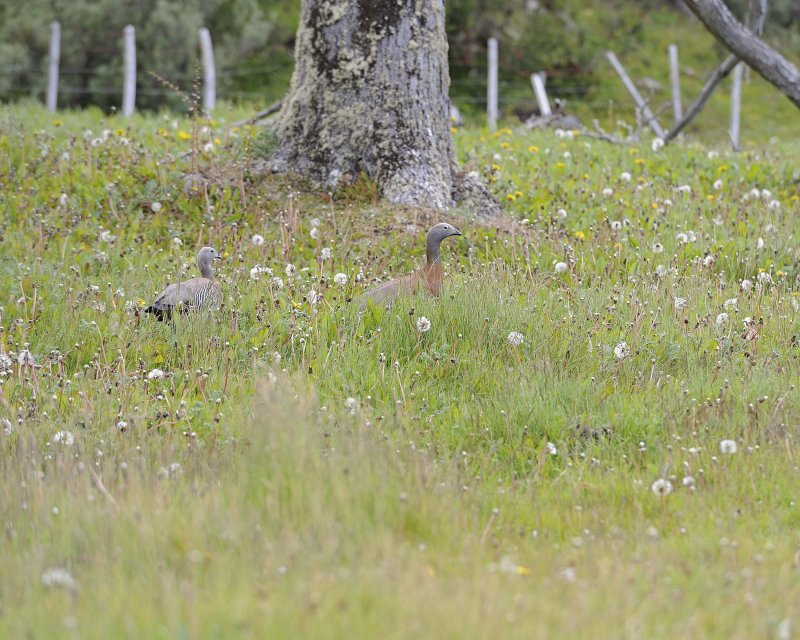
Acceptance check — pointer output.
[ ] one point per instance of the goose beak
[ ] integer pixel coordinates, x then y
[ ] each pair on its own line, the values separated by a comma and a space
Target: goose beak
456, 232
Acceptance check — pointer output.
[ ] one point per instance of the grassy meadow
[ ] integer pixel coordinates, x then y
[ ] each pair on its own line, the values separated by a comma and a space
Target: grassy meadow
594, 435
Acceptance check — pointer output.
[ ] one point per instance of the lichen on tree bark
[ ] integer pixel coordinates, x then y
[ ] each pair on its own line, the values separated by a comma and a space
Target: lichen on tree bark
369, 94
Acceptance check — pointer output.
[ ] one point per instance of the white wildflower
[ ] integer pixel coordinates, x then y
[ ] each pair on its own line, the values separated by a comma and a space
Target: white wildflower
551, 449
722, 319
277, 282
315, 222
625, 176
658, 247
766, 194
515, 338
717, 184
25, 358
257, 239
667, 202
255, 272
290, 270
59, 577
208, 147
155, 207
731, 303
746, 284
759, 244
155, 374
562, 214
621, 351
423, 324
662, 271
764, 278
177, 241
684, 188
708, 261
64, 437
106, 236
62, 199
313, 297
657, 144
688, 481
754, 193
340, 279
712, 154
616, 225
608, 192
8, 428
561, 267
326, 253
774, 204
5, 362
352, 405
727, 446
662, 487
682, 238
314, 233
680, 303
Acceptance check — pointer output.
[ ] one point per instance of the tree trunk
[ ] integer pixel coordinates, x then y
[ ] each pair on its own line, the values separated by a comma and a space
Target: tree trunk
370, 93
773, 67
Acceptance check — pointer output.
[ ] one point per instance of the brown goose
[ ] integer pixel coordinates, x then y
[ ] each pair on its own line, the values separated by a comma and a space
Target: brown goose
197, 293
428, 277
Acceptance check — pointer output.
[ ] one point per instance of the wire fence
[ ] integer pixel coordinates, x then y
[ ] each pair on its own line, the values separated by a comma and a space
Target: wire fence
468, 88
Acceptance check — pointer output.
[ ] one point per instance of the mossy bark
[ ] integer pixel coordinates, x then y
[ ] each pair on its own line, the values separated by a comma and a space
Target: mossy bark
370, 94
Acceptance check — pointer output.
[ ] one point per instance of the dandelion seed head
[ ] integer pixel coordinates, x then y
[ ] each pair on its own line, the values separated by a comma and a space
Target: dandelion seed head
657, 144
423, 324
662, 487
561, 267
727, 446
257, 239
64, 437
155, 374
340, 279
515, 338
722, 319
621, 350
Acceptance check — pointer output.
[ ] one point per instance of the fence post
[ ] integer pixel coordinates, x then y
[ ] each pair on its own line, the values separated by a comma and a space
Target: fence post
736, 103
129, 78
52, 72
491, 89
209, 72
675, 77
650, 119
537, 80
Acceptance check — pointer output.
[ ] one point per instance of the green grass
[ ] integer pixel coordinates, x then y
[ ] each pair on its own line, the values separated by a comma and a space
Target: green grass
316, 470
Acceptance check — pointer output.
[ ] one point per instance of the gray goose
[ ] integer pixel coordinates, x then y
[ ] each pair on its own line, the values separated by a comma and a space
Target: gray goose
428, 277
197, 293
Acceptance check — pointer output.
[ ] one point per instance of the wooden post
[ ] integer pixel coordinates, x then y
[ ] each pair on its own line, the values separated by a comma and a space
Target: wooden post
52, 72
129, 78
675, 78
491, 89
736, 104
650, 119
537, 80
209, 72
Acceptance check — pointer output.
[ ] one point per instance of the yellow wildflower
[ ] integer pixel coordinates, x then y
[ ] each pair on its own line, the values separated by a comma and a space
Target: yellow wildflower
453, 129
579, 235
57, 122
182, 135
505, 145
533, 149
511, 197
